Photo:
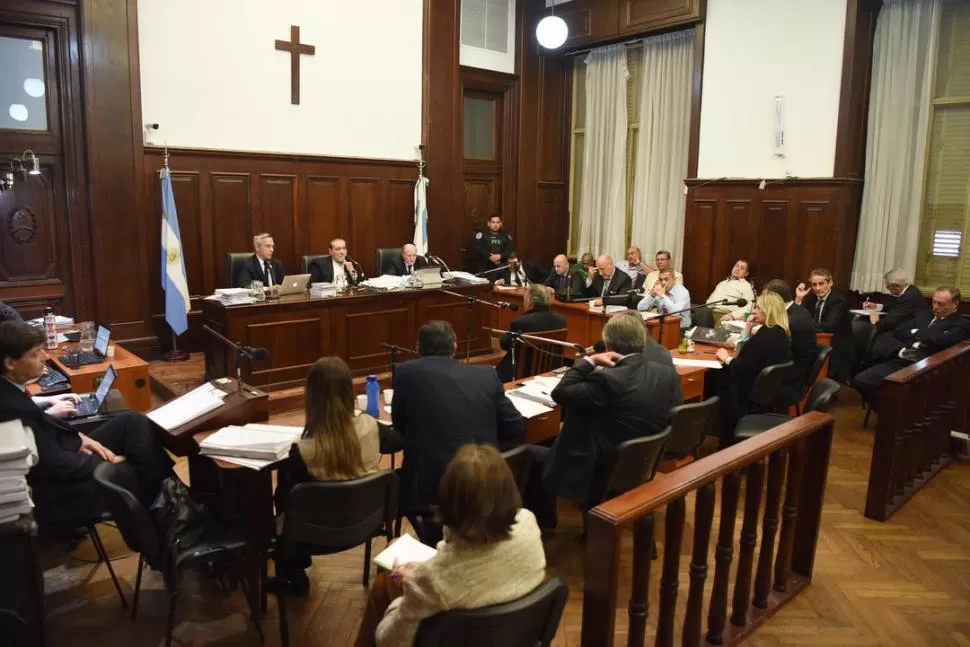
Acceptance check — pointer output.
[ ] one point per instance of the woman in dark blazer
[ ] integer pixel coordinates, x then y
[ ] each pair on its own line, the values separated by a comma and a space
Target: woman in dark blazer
766, 340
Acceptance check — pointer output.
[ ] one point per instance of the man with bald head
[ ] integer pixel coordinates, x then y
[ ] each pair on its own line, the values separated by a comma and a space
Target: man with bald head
634, 266
408, 262
606, 281
566, 285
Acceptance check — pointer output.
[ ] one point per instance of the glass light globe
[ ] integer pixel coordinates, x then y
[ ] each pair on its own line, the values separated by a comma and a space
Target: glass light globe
551, 32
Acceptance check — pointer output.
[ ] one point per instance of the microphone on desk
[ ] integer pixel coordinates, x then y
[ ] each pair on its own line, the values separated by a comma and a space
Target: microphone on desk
254, 353
740, 303
506, 305
360, 270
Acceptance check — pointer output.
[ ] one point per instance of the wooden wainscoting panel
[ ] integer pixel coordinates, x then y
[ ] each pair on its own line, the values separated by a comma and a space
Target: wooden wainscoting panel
639, 15
185, 187
324, 201
774, 246
29, 228
367, 203
816, 231
232, 218
364, 331
699, 243
279, 215
292, 343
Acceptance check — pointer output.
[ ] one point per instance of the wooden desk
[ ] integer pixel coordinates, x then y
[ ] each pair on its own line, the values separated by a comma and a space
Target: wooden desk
585, 327
298, 330
132, 379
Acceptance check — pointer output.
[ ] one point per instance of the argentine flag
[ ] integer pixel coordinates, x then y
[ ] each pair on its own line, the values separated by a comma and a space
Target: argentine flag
174, 283
421, 215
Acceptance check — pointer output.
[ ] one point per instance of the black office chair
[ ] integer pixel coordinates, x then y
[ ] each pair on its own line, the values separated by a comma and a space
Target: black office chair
14, 629
118, 485
233, 261
519, 461
306, 259
863, 334
530, 621
766, 386
689, 425
822, 352
386, 255
820, 398
62, 530
325, 517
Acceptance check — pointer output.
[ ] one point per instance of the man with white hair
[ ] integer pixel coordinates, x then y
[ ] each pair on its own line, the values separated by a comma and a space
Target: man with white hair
897, 316
408, 262
261, 266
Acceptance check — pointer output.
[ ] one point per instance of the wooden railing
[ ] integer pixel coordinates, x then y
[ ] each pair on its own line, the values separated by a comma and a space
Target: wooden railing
797, 457
918, 407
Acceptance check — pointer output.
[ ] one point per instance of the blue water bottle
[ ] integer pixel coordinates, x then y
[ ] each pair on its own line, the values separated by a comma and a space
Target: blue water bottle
373, 396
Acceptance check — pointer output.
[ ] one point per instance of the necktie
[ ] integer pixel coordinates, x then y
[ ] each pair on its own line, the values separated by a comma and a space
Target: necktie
269, 273
818, 309
606, 286
410, 269
934, 321
562, 282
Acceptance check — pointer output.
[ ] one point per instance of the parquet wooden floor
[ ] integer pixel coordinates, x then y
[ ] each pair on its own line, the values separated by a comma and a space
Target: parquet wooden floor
905, 582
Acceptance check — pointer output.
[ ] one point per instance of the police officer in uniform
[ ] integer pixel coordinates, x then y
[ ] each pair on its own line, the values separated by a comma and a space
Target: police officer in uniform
492, 246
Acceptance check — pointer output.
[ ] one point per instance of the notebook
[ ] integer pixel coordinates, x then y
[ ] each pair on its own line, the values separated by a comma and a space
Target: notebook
404, 549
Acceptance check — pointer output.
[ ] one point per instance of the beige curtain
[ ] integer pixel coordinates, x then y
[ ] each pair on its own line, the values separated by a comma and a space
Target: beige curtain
903, 58
602, 210
662, 144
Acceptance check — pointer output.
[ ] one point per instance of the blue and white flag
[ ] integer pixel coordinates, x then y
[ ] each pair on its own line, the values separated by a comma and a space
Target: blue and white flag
174, 283
421, 215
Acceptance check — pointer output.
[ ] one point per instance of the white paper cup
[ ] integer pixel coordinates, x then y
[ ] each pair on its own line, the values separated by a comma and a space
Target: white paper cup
362, 402
388, 396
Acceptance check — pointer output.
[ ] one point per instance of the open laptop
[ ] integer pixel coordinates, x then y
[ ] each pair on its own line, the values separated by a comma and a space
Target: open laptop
99, 353
430, 276
295, 284
91, 403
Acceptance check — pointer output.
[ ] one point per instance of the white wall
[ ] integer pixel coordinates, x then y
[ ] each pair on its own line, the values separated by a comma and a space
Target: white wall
212, 78
753, 51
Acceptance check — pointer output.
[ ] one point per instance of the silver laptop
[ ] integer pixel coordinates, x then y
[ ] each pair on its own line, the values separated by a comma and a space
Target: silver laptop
295, 284
430, 276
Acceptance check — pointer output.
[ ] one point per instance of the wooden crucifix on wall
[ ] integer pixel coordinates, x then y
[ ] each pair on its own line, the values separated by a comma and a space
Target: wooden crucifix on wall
295, 48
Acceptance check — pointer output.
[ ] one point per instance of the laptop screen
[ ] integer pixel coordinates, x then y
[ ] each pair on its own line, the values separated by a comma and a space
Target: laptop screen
105, 386
101, 344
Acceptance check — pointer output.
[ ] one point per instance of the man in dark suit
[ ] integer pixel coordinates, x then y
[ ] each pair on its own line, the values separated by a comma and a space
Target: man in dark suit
336, 268
899, 315
830, 312
804, 347
408, 262
62, 481
441, 404
931, 333
652, 351
493, 245
566, 284
536, 302
626, 398
519, 273
606, 280
261, 266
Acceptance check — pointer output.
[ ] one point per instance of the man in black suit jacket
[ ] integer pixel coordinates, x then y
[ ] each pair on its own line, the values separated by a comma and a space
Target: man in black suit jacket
830, 312
519, 273
336, 264
607, 281
566, 286
408, 262
602, 407
899, 315
537, 317
441, 404
62, 481
261, 266
931, 333
804, 347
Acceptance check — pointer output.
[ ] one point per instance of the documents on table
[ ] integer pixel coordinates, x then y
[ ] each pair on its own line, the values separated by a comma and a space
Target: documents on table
866, 313
540, 389
697, 363
404, 550
258, 444
187, 407
385, 282
526, 404
18, 453
465, 277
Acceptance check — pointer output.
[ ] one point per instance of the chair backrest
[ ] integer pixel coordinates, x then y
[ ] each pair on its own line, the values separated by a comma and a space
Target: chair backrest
822, 352
822, 395
233, 261
306, 259
689, 424
119, 487
536, 357
527, 622
767, 383
520, 462
863, 332
338, 515
385, 255
636, 462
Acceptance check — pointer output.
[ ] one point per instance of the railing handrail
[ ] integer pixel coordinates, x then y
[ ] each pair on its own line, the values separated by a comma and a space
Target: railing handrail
643, 500
910, 373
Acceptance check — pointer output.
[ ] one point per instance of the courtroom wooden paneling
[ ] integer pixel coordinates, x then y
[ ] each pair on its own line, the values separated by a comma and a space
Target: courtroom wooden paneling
850, 141
598, 22
590, 21
635, 16
785, 230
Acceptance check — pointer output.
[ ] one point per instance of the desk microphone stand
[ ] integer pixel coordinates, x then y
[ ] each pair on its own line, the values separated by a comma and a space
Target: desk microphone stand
248, 352
394, 348
518, 336
471, 301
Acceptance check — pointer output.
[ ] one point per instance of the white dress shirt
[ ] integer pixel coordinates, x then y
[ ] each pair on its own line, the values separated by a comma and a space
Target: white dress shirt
677, 299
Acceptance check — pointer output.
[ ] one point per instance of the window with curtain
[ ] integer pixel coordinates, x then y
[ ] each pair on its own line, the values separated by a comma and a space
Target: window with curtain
943, 254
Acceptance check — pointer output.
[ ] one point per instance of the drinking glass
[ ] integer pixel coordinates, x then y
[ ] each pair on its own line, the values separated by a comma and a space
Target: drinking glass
87, 336
257, 291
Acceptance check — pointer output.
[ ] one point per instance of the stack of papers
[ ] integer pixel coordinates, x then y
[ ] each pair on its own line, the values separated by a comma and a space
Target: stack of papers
465, 277
609, 309
58, 320
404, 550
18, 454
698, 363
232, 296
255, 443
323, 290
385, 282
187, 407
528, 405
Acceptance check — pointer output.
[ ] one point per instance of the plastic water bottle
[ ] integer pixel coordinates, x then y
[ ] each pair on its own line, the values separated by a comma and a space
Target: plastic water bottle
373, 396
50, 326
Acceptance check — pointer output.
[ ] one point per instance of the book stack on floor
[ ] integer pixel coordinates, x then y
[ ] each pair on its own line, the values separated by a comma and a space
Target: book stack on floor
254, 446
18, 454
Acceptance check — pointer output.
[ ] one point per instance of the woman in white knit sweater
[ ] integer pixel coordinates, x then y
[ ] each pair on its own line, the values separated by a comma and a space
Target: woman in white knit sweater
491, 553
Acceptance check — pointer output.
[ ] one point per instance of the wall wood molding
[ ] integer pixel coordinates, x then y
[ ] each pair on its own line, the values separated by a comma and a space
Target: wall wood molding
593, 23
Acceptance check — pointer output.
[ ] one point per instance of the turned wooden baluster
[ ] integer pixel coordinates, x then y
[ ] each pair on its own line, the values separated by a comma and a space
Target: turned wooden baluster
769, 527
717, 613
642, 553
703, 520
749, 539
789, 515
669, 580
